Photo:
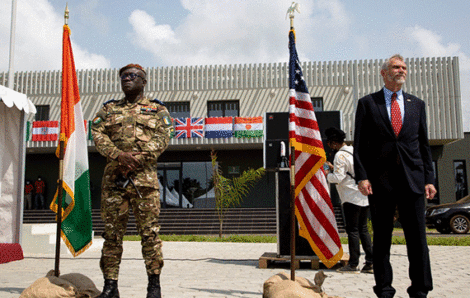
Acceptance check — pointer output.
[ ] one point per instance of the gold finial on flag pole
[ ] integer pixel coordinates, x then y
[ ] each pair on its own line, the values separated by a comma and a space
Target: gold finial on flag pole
66, 14
294, 7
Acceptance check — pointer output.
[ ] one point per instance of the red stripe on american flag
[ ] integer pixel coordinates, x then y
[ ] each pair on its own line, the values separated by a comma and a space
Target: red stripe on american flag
327, 225
313, 234
306, 167
310, 123
309, 141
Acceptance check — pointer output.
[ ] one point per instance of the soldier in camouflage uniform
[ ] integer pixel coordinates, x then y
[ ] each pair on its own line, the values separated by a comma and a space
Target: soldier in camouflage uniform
131, 133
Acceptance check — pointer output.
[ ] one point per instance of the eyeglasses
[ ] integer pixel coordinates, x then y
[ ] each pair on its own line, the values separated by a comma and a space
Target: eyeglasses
131, 76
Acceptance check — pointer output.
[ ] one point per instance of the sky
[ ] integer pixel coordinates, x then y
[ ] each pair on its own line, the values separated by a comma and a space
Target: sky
111, 34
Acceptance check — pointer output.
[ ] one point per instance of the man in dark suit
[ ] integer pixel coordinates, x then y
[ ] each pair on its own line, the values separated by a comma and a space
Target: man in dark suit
393, 166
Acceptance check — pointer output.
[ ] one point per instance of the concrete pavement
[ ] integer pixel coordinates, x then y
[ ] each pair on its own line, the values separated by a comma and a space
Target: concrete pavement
202, 269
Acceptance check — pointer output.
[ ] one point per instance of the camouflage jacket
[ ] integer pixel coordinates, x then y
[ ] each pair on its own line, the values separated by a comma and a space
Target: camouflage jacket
143, 127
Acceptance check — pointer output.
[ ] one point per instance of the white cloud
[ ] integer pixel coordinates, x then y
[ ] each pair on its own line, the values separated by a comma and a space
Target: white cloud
430, 44
38, 41
222, 32
148, 35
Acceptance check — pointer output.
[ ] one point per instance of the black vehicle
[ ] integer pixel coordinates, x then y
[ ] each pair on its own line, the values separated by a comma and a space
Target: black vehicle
452, 217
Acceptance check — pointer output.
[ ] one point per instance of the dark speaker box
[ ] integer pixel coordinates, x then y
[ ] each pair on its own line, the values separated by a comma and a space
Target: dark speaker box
302, 247
277, 126
277, 130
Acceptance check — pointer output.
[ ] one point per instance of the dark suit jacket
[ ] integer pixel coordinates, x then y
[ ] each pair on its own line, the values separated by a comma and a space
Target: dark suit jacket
387, 161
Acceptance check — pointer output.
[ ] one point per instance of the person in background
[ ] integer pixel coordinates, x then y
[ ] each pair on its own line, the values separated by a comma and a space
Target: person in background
39, 190
28, 195
393, 166
355, 205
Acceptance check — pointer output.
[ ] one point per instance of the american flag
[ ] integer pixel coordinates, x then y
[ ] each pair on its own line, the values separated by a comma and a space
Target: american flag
314, 210
189, 128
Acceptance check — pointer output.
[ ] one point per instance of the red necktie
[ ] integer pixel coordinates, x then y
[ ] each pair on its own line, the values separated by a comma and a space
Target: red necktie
396, 115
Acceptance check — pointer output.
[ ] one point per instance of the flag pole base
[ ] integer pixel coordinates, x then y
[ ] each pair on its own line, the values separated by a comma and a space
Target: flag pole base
269, 259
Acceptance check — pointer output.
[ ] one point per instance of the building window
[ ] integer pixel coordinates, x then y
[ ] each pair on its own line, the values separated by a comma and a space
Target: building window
178, 109
42, 113
229, 108
317, 103
460, 174
186, 184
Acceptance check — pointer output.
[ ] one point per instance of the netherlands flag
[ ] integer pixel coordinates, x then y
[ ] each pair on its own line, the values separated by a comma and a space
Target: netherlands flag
219, 127
189, 128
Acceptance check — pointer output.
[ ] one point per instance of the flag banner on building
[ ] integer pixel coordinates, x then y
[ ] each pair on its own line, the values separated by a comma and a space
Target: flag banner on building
189, 127
313, 208
45, 130
76, 228
248, 127
28, 131
219, 127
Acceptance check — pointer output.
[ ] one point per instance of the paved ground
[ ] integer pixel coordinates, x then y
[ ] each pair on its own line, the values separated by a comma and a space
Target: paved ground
195, 269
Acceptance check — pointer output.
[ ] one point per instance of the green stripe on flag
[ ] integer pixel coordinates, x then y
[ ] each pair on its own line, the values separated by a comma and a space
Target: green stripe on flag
77, 226
248, 133
28, 131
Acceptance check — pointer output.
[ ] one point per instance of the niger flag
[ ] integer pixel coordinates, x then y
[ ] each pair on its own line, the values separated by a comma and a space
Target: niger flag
76, 227
248, 127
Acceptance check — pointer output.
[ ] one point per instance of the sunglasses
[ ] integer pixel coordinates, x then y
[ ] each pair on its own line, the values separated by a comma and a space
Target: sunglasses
131, 76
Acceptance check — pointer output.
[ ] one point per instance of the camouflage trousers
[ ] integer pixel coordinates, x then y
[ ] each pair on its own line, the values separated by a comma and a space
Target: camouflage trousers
115, 204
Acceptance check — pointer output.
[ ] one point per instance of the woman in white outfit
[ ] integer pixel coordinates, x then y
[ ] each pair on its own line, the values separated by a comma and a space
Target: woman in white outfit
355, 205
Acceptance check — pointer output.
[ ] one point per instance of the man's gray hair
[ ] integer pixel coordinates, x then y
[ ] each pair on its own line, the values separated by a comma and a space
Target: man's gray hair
387, 61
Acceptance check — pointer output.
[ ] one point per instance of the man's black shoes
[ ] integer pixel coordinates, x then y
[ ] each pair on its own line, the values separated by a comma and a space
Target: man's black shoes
110, 289
368, 268
153, 289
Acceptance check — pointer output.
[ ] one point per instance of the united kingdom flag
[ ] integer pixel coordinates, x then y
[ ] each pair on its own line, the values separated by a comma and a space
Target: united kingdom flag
189, 128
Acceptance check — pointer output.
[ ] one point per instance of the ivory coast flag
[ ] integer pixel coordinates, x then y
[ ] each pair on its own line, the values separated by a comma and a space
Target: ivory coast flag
248, 127
76, 227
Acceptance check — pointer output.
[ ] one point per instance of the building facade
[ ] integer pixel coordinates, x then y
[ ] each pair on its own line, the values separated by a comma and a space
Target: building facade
242, 91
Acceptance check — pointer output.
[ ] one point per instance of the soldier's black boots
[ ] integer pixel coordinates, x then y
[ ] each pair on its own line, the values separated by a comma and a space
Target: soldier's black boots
153, 289
110, 289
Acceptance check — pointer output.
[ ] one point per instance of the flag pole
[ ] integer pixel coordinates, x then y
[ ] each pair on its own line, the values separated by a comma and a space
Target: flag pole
292, 186
292, 214
60, 189
12, 46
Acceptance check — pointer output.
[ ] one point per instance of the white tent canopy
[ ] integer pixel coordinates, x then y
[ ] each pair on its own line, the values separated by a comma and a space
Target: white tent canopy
13, 107
206, 200
172, 197
186, 203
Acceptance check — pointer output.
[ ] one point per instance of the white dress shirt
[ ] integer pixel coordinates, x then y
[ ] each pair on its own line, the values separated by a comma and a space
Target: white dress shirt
346, 185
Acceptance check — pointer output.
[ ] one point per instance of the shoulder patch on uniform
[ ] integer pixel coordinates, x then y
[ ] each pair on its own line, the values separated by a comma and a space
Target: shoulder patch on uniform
167, 121
97, 120
100, 116
109, 101
157, 101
